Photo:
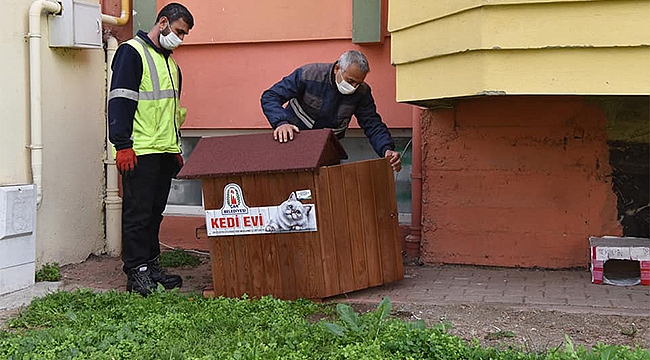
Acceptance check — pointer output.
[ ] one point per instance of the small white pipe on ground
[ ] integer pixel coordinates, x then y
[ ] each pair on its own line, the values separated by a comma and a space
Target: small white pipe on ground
36, 9
113, 201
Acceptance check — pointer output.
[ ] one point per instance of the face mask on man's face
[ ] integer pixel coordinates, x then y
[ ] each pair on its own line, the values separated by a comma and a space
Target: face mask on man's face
170, 41
345, 87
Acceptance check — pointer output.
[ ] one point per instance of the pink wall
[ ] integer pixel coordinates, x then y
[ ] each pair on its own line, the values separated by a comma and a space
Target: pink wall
224, 21
516, 181
222, 84
239, 48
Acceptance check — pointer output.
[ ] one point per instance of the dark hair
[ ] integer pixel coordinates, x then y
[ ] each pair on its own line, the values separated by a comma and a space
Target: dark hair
175, 11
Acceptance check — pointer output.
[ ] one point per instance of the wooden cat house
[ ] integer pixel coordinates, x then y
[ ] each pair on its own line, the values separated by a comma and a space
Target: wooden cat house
288, 220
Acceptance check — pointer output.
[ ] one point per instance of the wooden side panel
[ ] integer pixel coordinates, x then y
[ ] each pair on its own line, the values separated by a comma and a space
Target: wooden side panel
387, 222
369, 222
396, 242
256, 256
227, 245
353, 216
272, 273
295, 251
218, 268
222, 251
314, 281
254, 249
299, 251
327, 241
340, 227
242, 267
277, 187
270, 260
210, 197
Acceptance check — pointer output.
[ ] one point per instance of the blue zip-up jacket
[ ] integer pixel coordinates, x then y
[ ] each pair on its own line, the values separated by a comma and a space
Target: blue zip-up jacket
314, 102
127, 74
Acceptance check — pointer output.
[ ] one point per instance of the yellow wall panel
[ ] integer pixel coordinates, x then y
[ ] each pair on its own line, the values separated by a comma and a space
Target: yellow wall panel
592, 24
446, 49
585, 71
439, 78
406, 13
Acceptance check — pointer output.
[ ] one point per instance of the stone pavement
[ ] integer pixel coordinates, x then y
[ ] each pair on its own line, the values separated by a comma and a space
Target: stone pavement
563, 290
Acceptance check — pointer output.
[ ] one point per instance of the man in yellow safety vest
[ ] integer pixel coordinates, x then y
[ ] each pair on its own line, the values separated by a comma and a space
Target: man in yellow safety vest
144, 118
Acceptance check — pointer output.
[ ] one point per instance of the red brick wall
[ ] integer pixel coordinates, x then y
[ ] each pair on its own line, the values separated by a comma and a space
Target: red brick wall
516, 181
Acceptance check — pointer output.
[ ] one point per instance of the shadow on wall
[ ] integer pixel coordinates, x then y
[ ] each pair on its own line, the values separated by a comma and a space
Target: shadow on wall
630, 182
628, 129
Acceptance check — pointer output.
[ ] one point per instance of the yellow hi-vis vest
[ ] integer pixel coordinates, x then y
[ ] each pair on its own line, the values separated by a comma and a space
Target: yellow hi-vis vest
158, 117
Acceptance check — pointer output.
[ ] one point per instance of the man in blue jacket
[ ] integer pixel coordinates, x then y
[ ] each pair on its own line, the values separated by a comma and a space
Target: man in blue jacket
325, 96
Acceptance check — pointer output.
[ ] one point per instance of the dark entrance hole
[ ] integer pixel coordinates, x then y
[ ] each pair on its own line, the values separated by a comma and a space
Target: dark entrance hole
622, 272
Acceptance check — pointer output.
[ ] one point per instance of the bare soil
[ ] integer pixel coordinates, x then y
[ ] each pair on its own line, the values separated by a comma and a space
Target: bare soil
530, 328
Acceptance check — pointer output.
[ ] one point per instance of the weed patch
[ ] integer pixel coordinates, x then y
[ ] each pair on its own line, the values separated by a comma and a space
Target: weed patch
169, 325
177, 258
49, 272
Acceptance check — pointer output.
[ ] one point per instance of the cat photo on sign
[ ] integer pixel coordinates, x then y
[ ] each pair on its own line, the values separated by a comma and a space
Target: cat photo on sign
292, 215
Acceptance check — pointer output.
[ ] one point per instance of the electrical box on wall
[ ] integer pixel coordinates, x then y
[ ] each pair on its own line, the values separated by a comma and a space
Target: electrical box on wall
17, 237
79, 25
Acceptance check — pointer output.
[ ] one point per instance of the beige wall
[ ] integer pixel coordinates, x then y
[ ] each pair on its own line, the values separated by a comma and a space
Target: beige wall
70, 219
14, 96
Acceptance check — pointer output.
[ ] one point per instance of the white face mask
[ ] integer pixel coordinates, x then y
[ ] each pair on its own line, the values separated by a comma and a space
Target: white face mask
170, 41
345, 87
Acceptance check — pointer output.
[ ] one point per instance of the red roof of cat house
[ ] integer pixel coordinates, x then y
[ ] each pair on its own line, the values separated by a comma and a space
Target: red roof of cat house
259, 153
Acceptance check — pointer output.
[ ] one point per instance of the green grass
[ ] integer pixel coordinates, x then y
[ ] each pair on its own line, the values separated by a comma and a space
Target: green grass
49, 272
169, 325
177, 258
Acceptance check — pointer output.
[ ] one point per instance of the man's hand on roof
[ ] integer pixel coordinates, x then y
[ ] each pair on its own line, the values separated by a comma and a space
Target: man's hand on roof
284, 132
395, 160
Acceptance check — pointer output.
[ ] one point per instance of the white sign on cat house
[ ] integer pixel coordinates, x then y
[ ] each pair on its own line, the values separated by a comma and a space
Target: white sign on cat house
236, 218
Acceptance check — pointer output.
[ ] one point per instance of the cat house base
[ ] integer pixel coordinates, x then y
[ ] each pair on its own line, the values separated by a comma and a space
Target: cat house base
623, 261
321, 228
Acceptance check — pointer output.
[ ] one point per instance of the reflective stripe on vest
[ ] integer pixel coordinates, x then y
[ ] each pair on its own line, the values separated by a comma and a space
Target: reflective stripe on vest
158, 116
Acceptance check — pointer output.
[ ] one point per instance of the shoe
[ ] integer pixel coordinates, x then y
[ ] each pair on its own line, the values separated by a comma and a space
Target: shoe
139, 280
159, 275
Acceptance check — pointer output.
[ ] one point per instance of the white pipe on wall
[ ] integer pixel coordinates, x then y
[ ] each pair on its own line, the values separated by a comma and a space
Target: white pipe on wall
36, 9
113, 201
119, 21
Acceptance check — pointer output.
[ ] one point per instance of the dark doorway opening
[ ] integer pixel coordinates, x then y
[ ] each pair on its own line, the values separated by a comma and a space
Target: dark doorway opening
630, 163
622, 272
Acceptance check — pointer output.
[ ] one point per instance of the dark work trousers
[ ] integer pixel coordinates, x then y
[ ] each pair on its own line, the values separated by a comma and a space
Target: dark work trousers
144, 196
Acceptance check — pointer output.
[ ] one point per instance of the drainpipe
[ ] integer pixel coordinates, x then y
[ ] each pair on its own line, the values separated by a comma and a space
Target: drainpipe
113, 214
413, 239
119, 21
36, 9
113, 201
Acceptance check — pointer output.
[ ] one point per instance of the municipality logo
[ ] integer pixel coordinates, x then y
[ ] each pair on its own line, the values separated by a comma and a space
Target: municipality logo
233, 200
